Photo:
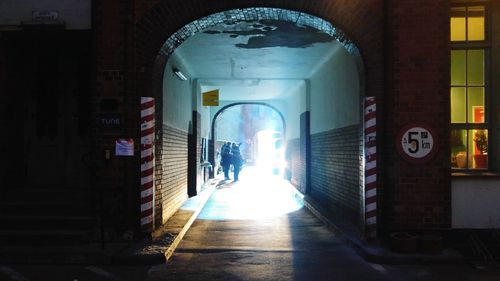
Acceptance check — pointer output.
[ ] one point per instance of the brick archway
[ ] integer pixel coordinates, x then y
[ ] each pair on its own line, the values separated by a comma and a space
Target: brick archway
158, 34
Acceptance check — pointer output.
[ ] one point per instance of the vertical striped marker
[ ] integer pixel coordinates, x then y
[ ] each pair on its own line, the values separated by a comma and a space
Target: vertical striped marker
370, 168
147, 163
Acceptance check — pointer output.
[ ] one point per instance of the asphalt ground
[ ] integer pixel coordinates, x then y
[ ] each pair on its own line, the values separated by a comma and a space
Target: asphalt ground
254, 229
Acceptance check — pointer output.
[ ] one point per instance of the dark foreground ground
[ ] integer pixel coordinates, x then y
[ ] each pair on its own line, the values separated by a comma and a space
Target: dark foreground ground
255, 230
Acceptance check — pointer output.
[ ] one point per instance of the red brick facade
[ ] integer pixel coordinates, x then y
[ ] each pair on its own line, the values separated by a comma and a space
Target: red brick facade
417, 90
405, 54
406, 40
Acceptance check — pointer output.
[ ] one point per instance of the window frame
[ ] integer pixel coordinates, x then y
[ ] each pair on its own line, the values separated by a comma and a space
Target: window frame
475, 45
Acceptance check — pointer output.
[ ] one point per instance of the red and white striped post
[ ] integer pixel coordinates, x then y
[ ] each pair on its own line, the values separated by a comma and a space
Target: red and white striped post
147, 163
370, 168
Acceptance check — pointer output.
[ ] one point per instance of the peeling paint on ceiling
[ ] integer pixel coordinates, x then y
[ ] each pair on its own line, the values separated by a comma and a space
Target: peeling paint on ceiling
273, 33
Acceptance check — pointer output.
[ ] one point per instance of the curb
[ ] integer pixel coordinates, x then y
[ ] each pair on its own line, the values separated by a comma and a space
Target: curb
159, 250
170, 249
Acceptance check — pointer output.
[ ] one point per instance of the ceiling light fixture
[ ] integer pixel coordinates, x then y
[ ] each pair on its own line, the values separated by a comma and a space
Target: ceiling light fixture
179, 74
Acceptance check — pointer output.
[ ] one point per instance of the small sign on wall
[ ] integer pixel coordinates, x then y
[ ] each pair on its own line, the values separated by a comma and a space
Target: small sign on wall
111, 120
416, 143
211, 98
124, 147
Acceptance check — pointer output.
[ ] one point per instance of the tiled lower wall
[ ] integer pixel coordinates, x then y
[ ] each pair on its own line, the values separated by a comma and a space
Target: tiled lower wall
335, 172
171, 187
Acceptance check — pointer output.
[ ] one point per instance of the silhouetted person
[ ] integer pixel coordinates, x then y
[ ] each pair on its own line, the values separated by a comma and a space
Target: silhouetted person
226, 159
236, 160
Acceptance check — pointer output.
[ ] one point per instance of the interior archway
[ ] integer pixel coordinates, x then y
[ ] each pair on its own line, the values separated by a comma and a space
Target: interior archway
258, 128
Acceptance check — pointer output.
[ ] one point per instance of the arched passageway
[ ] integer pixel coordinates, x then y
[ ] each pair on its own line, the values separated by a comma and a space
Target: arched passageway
300, 64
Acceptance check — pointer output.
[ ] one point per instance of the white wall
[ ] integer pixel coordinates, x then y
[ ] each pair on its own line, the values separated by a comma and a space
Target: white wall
475, 202
75, 13
205, 111
177, 97
335, 93
295, 106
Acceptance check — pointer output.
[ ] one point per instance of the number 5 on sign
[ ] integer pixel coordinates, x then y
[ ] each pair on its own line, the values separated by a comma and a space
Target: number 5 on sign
416, 143
412, 142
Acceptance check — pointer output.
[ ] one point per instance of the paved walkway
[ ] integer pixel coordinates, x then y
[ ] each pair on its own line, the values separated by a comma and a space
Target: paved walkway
255, 229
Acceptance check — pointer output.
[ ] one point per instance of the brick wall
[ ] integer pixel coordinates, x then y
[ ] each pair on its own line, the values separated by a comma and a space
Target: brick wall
417, 56
171, 184
118, 180
128, 35
335, 178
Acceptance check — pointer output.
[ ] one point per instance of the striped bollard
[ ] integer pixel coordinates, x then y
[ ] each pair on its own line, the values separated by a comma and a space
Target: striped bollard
147, 163
370, 168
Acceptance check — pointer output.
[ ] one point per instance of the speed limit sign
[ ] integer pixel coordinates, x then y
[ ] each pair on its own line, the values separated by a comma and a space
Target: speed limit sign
416, 143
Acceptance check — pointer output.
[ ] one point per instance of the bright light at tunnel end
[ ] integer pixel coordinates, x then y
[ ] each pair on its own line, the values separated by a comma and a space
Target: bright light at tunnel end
270, 152
256, 196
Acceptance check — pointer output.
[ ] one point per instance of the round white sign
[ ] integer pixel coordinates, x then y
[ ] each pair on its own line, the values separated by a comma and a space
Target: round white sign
416, 143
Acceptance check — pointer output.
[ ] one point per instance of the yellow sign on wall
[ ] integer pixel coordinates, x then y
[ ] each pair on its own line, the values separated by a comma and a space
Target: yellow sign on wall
211, 98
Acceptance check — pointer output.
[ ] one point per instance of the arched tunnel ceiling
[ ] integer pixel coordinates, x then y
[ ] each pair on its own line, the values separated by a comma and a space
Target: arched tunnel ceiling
255, 60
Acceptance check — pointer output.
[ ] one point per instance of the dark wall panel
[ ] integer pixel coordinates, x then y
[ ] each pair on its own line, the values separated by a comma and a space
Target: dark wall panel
335, 172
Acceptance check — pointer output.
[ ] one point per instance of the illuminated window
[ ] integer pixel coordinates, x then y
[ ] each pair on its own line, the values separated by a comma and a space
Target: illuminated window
467, 23
475, 23
457, 24
467, 86
468, 100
